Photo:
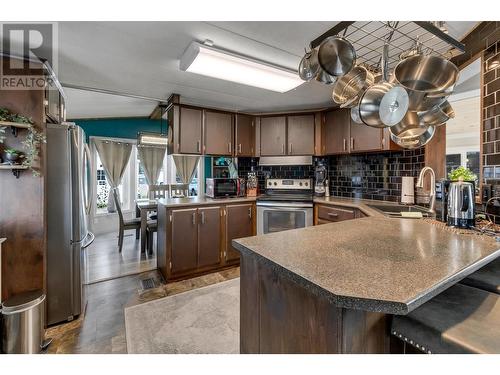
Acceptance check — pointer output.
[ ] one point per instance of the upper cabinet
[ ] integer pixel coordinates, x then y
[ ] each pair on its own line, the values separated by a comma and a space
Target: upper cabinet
218, 133
273, 136
185, 130
342, 135
300, 135
337, 132
287, 135
244, 144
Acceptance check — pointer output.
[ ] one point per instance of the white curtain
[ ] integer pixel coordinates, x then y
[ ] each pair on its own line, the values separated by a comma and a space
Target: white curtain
151, 158
186, 166
114, 157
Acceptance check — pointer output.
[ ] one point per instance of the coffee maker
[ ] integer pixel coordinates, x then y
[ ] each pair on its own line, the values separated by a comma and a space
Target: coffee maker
320, 179
460, 205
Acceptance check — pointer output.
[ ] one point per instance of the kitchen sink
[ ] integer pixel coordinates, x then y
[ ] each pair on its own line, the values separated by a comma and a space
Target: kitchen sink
395, 210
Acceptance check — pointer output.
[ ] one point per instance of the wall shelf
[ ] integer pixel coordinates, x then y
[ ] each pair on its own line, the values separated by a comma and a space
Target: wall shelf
16, 169
15, 125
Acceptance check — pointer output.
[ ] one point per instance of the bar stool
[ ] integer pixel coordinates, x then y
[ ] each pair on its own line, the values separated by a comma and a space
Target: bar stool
486, 278
461, 319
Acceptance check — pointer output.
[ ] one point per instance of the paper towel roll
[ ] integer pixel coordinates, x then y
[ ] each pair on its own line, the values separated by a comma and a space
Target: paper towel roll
407, 190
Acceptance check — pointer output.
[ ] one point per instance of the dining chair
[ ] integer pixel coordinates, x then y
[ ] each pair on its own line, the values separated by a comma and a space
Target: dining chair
158, 191
128, 224
179, 190
151, 228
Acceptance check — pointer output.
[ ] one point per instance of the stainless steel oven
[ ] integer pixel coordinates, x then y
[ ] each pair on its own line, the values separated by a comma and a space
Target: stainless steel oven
286, 205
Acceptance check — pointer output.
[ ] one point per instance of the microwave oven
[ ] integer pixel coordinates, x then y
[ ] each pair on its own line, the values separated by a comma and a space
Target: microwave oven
225, 187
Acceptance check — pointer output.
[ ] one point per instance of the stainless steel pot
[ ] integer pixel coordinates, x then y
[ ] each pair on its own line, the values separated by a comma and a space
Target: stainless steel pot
350, 86
309, 65
414, 141
429, 80
438, 115
336, 56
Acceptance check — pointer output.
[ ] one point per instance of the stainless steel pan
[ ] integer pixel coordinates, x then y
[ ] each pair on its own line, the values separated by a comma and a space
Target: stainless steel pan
309, 65
438, 115
350, 86
429, 80
383, 104
416, 139
336, 56
325, 78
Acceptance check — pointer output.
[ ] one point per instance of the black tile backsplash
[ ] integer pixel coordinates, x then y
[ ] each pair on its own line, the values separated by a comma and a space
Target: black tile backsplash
368, 176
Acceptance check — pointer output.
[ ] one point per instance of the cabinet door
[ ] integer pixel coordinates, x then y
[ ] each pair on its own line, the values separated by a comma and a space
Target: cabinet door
190, 130
337, 132
209, 233
245, 135
218, 133
272, 136
184, 240
301, 135
365, 138
239, 223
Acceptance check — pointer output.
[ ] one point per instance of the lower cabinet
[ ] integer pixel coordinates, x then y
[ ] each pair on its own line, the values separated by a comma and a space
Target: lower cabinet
193, 241
239, 223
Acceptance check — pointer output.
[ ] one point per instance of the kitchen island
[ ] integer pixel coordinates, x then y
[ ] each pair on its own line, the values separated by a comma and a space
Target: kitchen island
333, 288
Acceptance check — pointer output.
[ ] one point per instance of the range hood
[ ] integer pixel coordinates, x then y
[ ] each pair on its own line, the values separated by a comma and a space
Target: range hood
285, 160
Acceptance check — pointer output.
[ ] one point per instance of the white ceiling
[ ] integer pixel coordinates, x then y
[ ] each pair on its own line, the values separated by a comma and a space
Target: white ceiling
142, 58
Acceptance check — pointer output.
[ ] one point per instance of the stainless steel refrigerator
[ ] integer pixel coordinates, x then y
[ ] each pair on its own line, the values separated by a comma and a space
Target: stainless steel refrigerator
68, 208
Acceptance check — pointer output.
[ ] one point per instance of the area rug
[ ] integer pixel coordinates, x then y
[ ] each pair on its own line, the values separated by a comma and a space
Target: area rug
204, 320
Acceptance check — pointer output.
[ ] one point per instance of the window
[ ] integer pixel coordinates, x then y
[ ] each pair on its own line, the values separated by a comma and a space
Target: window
102, 189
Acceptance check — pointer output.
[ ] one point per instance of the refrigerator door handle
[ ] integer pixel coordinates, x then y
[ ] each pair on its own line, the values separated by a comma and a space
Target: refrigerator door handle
89, 196
88, 240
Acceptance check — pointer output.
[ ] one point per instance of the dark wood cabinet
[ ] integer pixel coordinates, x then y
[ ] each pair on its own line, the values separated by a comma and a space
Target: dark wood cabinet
365, 138
218, 133
184, 240
337, 132
300, 137
324, 214
273, 136
209, 236
190, 130
244, 144
239, 223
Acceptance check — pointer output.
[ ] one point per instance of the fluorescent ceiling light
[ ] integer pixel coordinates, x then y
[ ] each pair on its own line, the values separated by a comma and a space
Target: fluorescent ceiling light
151, 139
208, 61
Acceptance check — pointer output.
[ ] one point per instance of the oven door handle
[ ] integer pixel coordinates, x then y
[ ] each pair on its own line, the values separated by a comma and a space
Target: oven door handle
285, 206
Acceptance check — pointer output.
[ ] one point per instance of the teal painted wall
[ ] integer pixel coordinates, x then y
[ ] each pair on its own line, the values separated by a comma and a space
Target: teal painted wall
120, 127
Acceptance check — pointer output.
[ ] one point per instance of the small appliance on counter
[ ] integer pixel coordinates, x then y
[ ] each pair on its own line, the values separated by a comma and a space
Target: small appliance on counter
407, 190
320, 179
460, 205
225, 187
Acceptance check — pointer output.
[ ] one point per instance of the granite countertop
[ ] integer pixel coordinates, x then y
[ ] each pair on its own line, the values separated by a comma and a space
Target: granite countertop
375, 263
201, 201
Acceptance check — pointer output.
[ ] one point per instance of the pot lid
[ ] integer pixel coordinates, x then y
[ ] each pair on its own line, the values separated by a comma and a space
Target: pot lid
22, 301
309, 66
393, 106
336, 56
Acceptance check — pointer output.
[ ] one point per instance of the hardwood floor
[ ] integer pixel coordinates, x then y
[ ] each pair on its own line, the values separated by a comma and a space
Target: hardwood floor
104, 262
102, 328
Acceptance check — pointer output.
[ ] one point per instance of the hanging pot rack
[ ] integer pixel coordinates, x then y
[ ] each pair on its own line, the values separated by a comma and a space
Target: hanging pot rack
402, 36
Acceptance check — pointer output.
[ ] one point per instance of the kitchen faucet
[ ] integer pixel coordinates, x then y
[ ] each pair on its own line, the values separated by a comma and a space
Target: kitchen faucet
432, 193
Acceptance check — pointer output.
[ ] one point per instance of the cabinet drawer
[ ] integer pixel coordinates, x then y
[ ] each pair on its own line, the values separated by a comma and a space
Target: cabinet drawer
330, 213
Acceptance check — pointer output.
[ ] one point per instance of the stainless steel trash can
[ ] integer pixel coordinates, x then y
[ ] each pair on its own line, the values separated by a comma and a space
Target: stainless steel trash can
23, 323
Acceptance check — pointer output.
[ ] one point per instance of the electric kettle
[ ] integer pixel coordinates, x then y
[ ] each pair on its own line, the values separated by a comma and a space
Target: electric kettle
461, 204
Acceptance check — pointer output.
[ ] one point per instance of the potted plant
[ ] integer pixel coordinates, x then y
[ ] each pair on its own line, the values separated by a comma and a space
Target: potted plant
462, 174
13, 155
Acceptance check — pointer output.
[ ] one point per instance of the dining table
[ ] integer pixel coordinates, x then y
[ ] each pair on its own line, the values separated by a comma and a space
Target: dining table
142, 208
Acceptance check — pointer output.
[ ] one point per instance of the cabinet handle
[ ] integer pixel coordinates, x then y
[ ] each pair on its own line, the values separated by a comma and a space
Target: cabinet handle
194, 218
202, 217
352, 143
250, 212
283, 148
332, 214
345, 145
383, 142
198, 145
229, 147
291, 147
239, 148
